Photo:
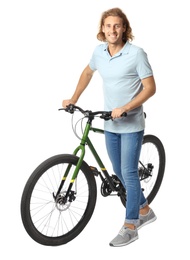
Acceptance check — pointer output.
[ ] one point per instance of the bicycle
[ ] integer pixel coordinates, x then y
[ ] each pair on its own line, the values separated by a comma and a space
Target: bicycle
59, 197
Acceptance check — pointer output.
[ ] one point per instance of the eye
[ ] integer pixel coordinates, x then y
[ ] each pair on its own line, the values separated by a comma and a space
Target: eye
117, 26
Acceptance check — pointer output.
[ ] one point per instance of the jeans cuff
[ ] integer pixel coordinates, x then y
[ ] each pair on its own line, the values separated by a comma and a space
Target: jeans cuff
144, 204
132, 221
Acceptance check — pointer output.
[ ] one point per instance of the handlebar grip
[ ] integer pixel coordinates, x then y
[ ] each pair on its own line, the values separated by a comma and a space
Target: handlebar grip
70, 108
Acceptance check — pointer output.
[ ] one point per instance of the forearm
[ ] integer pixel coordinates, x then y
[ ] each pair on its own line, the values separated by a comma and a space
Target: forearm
82, 84
147, 92
142, 97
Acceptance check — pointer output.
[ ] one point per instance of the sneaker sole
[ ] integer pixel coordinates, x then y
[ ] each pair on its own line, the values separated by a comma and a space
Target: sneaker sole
125, 244
147, 222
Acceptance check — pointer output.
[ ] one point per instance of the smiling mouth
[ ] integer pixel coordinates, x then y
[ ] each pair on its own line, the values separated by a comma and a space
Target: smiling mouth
112, 35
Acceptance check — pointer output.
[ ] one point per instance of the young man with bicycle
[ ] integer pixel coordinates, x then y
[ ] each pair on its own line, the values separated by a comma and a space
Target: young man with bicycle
127, 83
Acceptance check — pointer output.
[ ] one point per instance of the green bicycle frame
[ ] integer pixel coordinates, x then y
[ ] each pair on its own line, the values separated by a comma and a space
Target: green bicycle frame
85, 140
81, 148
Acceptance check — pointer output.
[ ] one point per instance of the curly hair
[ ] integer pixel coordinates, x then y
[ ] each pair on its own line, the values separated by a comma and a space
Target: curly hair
127, 35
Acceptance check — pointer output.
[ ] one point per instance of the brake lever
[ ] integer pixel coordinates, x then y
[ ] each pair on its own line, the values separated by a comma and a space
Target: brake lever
70, 108
124, 114
106, 116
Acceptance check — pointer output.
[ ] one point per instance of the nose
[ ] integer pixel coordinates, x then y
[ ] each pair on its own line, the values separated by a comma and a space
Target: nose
112, 29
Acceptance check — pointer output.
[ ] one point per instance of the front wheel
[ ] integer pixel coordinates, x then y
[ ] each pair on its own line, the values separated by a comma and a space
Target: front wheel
54, 220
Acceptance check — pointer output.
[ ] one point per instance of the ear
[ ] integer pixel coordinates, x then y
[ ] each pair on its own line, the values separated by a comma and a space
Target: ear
103, 28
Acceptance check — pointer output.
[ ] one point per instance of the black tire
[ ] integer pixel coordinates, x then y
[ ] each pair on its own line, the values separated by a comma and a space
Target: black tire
47, 221
151, 167
153, 154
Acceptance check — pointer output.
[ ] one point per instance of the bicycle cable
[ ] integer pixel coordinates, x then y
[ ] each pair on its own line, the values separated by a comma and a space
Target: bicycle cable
74, 126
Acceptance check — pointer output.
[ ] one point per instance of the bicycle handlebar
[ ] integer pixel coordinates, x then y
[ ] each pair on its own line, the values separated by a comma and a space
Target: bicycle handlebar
106, 115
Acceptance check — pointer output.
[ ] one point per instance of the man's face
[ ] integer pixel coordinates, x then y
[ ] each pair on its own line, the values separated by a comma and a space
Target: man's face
113, 29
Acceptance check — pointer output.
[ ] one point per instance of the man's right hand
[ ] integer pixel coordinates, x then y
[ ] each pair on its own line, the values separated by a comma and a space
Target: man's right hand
67, 102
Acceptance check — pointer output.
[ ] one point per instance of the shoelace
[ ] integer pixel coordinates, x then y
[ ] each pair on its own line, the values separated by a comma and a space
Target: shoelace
123, 231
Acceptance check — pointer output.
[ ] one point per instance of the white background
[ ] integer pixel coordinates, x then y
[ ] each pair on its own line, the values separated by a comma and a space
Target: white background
44, 46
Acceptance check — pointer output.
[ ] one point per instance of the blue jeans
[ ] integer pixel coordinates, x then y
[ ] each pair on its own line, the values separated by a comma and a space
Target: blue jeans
124, 152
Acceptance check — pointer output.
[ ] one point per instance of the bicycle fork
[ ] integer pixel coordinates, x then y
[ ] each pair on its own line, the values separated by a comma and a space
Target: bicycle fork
81, 148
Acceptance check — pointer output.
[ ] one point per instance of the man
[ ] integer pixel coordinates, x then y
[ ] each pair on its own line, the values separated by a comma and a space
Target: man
127, 83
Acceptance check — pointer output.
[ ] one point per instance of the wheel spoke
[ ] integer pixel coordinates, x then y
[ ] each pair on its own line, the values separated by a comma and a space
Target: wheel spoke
48, 218
151, 166
48, 215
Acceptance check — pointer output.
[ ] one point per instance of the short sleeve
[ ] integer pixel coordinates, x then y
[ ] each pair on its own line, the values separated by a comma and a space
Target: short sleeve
143, 66
92, 63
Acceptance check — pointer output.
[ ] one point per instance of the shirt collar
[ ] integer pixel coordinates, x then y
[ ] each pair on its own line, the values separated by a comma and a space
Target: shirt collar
124, 50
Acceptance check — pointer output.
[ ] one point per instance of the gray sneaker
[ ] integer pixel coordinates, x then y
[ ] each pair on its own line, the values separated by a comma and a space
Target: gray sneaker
125, 237
146, 219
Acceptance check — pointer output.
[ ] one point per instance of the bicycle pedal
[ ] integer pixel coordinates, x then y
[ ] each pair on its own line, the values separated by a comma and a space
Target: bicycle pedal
94, 170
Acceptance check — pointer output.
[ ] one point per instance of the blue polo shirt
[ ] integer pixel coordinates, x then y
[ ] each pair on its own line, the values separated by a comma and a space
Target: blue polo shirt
122, 75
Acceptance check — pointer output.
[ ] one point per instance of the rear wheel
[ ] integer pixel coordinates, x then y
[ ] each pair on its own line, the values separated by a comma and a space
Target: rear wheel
55, 220
151, 167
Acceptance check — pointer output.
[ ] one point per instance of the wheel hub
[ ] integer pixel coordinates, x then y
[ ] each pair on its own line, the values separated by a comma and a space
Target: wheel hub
62, 202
